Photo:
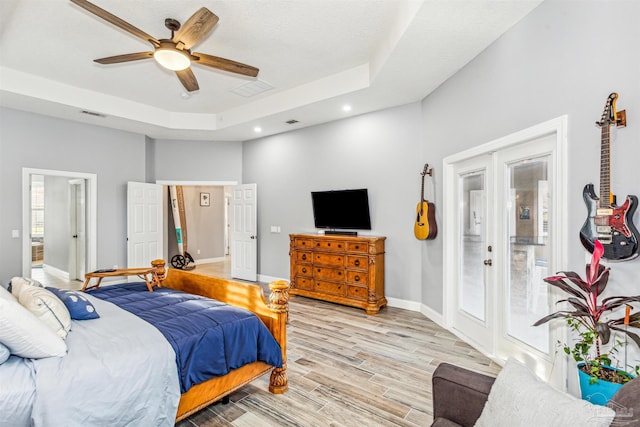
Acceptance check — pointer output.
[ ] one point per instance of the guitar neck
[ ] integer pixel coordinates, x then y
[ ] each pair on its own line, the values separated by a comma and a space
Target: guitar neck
422, 190
605, 173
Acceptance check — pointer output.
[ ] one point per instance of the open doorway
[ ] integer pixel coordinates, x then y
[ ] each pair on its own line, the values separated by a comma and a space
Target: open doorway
59, 225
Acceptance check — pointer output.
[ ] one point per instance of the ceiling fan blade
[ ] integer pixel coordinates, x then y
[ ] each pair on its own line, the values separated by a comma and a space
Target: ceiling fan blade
101, 13
124, 58
196, 27
188, 79
225, 64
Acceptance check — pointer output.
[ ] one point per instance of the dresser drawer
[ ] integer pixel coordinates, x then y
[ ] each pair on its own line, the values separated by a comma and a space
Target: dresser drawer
357, 292
303, 243
359, 277
336, 274
304, 257
357, 262
357, 247
330, 245
304, 270
328, 259
304, 283
329, 287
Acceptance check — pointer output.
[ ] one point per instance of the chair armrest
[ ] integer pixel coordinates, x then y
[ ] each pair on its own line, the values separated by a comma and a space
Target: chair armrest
459, 395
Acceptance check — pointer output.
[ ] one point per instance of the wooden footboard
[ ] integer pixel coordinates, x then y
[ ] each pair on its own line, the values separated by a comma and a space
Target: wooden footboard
248, 296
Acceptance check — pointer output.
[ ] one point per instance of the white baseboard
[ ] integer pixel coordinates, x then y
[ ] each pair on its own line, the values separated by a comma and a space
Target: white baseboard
416, 306
268, 279
208, 260
55, 271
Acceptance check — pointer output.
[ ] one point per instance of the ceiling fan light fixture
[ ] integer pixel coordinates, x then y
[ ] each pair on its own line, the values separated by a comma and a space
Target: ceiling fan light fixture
171, 58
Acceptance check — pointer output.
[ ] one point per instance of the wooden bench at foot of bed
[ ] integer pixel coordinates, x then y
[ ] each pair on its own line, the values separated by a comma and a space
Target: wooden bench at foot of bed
273, 314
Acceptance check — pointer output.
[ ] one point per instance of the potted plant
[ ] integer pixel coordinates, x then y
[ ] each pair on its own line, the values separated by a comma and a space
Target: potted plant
586, 316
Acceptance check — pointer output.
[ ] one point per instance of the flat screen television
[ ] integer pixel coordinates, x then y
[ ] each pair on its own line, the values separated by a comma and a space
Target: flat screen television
341, 209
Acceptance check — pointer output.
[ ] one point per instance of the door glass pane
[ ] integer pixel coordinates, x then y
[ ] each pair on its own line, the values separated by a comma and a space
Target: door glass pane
472, 227
528, 206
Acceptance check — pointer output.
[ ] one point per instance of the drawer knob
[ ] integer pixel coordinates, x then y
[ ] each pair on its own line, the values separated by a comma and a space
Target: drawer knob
339, 273
318, 270
357, 278
357, 262
304, 256
304, 270
357, 246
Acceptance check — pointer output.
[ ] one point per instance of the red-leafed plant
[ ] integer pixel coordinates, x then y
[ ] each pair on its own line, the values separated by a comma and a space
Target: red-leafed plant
586, 316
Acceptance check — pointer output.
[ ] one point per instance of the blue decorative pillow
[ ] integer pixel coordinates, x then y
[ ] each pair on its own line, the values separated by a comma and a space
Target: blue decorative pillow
78, 305
4, 353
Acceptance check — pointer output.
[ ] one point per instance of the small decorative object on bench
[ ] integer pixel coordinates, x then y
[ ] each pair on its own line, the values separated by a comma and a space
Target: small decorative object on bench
586, 318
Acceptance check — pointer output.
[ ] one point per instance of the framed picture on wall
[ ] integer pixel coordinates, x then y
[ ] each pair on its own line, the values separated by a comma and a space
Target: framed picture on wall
205, 199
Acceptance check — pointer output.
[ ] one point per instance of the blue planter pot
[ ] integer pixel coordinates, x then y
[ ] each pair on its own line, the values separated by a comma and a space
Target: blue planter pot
598, 393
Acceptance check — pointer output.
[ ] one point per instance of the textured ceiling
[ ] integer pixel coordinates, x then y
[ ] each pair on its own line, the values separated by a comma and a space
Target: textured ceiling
316, 55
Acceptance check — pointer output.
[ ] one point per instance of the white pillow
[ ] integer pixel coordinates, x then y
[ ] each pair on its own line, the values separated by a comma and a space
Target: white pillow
17, 283
48, 308
519, 398
23, 334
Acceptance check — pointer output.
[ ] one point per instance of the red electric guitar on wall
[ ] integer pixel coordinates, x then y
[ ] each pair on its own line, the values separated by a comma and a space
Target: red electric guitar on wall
425, 227
610, 224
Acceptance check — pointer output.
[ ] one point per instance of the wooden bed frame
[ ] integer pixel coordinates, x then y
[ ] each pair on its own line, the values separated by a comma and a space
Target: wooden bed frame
273, 314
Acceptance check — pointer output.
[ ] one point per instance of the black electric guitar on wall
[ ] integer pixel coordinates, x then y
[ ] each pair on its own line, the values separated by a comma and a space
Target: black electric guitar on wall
425, 227
610, 224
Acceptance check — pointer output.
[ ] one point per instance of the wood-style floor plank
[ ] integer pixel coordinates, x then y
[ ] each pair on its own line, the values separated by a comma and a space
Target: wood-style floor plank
349, 369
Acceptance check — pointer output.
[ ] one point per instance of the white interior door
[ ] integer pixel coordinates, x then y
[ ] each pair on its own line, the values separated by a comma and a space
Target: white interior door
244, 235
144, 223
78, 238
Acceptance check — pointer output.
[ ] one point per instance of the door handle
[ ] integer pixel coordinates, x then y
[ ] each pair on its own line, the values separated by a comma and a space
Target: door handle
253, 237
75, 236
487, 262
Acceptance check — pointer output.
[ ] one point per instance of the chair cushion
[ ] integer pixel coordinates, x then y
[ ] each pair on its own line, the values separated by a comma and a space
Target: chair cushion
519, 398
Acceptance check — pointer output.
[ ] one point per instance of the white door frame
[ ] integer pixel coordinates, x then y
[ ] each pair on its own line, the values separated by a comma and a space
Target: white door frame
559, 218
91, 215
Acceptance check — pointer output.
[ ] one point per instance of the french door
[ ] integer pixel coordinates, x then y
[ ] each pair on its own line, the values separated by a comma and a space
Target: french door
505, 232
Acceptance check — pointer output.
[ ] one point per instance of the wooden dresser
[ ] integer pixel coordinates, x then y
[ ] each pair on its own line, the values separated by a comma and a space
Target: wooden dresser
346, 270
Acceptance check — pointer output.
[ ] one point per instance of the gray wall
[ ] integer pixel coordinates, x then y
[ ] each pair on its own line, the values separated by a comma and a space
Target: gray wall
194, 160
35, 141
379, 151
564, 58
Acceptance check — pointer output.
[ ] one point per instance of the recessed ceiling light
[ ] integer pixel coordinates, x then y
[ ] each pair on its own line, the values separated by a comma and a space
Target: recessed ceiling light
346, 108
257, 129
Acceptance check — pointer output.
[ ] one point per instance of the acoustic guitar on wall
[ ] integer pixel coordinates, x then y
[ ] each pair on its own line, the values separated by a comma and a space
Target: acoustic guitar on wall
425, 227
610, 224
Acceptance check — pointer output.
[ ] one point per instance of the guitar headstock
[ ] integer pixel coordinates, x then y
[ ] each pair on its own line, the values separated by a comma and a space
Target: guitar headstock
609, 115
427, 170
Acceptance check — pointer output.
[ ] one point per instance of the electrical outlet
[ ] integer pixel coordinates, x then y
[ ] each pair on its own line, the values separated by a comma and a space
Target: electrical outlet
198, 252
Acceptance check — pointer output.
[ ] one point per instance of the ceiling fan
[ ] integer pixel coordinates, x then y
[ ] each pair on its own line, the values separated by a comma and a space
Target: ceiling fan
174, 53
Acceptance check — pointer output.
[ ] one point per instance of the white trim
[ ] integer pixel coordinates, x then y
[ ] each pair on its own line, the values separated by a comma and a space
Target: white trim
196, 183
402, 303
208, 260
92, 215
61, 274
433, 315
263, 278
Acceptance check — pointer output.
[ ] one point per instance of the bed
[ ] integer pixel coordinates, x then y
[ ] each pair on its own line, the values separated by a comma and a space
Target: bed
148, 387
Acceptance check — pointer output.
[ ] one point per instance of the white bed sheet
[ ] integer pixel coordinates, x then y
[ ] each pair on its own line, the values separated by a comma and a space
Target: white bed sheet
119, 370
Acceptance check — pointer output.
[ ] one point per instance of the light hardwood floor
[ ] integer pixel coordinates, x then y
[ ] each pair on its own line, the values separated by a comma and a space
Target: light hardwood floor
347, 369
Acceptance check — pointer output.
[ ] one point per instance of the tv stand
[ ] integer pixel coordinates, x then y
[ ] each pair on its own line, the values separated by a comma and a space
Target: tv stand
341, 269
340, 233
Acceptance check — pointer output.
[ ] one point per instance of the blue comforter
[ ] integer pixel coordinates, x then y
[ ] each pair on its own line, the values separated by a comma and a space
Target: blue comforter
209, 338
